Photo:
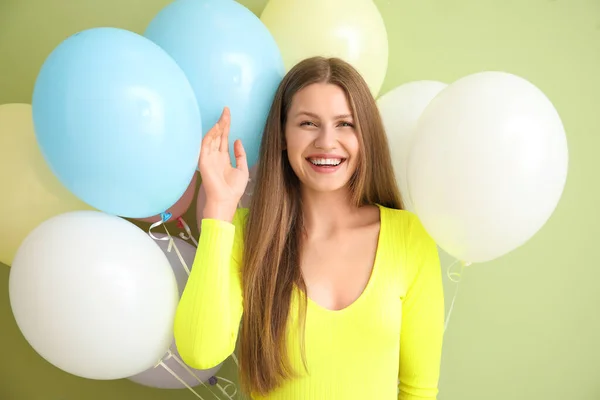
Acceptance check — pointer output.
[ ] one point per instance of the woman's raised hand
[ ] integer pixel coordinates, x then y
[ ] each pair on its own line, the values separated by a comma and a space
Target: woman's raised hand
223, 183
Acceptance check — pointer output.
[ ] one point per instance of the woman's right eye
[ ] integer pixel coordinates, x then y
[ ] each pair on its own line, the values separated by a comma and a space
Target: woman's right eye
307, 123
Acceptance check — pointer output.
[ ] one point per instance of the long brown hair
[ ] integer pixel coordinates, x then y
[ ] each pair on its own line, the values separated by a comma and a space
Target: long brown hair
274, 227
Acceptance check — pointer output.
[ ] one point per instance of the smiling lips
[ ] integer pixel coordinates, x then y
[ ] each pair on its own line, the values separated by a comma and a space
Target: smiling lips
325, 163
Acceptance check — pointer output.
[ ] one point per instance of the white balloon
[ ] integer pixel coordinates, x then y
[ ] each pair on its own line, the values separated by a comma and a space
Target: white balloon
94, 295
488, 165
400, 110
159, 377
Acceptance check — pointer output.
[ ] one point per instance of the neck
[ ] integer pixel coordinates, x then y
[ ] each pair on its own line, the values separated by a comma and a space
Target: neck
326, 212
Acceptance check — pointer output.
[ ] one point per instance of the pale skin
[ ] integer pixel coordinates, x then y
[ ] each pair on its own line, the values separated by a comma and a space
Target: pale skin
340, 240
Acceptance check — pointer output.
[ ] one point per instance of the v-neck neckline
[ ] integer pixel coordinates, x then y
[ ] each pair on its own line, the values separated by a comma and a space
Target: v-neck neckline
370, 283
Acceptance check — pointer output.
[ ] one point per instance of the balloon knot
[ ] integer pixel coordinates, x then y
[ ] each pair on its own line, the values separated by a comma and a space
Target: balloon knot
213, 380
165, 216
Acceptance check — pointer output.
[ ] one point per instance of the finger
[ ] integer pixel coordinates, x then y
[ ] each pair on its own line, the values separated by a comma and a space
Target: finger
214, 144
224, 124
206, 143
240, 156
217, 129
212, 137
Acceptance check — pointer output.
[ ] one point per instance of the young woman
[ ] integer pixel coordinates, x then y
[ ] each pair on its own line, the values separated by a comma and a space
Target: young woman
338, 290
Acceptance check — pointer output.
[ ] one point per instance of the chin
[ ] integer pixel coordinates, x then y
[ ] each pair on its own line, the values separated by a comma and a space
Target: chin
326, 187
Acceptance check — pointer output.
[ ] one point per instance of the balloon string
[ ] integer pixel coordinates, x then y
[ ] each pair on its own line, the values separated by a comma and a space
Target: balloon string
226, 387
229, 384
451, 306
455, 277
235, 359
162, 364
164, 218
230, 397
188, 233
174, 246
189, 370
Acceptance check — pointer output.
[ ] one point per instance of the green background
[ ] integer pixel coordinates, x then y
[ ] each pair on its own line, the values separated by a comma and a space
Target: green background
525, 326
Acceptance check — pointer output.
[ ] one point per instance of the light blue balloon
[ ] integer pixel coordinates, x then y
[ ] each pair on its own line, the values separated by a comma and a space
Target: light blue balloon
118, 122
229, 57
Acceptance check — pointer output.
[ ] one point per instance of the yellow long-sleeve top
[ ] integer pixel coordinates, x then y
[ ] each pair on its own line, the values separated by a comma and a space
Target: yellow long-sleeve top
392, 332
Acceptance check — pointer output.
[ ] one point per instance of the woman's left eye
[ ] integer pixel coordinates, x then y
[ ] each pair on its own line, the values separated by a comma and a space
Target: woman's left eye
346, 124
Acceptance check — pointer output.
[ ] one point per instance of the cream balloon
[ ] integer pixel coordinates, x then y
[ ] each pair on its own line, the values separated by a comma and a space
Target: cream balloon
94, 295
30, 191
488, 165
400, 110
352, 30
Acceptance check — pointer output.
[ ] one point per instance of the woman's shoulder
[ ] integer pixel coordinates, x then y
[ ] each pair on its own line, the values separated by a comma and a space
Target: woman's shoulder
397, 218
404, 223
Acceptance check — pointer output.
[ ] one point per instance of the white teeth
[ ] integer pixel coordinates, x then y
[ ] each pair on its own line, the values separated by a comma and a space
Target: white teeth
326, 161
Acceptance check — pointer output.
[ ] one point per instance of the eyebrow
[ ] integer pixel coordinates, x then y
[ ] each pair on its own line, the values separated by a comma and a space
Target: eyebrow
313, 115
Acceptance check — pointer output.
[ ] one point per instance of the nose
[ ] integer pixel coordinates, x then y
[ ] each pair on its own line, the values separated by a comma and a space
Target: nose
326, 139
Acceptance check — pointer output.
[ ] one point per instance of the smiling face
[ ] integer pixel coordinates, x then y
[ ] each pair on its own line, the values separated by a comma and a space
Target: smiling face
321, 140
